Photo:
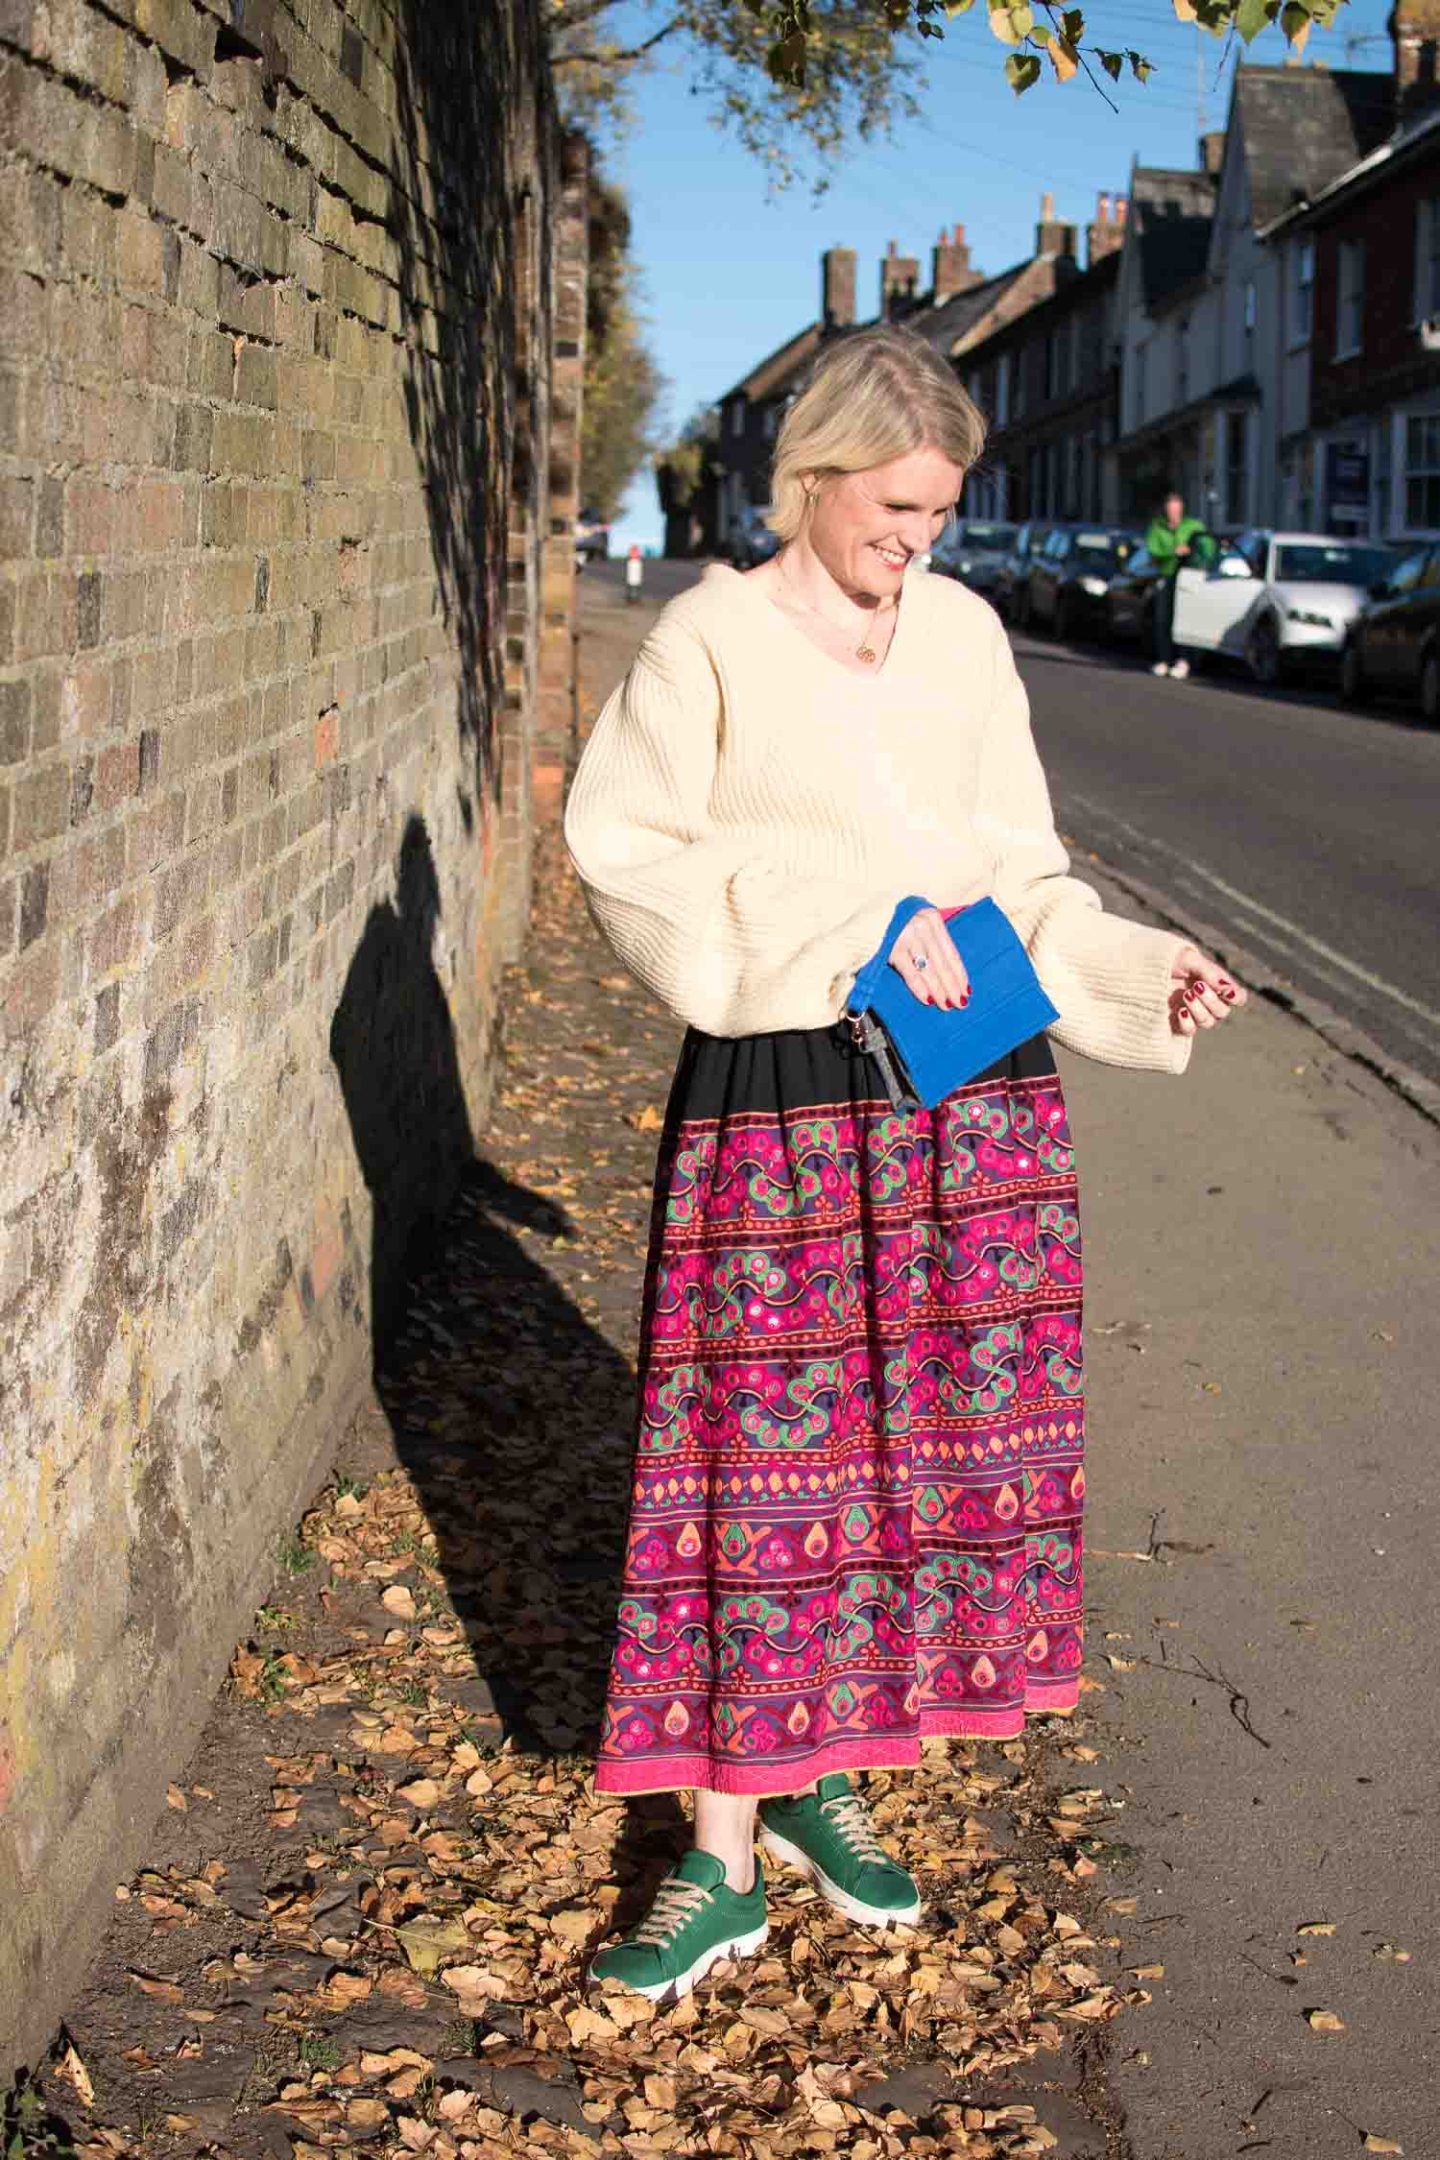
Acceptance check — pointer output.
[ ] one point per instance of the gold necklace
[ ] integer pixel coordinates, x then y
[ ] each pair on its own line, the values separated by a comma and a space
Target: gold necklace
864, 650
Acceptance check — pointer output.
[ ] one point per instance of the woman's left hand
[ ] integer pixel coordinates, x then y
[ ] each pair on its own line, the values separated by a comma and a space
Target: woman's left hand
1202, 994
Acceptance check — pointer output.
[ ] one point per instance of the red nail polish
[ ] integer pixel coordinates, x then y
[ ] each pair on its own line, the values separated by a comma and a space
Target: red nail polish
1227, 991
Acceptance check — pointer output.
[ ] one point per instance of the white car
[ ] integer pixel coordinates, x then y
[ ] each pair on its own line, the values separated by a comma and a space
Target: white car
1273, 597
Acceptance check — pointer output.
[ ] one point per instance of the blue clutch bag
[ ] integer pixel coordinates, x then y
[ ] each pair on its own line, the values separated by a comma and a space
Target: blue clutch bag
923, 1051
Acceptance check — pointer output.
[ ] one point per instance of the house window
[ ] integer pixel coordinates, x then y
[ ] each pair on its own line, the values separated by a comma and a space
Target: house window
1002, 390
1427, 259
1236, 432
1182, 360
1349, 298
1380, 466
1302, 290
737, 417
1247, 319
1422, 472
772, 421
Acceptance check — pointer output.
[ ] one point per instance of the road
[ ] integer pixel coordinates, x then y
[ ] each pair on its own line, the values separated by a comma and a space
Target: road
1309, 833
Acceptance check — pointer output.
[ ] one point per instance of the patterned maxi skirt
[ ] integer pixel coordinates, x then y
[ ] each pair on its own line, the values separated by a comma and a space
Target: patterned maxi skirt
858, 1479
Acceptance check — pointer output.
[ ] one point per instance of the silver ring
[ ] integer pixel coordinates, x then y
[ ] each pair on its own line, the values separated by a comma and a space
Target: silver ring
918, 961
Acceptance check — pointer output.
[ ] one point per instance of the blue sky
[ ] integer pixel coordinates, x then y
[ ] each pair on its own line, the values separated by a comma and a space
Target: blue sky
730, 271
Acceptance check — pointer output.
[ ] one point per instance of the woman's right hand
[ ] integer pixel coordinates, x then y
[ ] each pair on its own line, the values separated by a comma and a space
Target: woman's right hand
924, 956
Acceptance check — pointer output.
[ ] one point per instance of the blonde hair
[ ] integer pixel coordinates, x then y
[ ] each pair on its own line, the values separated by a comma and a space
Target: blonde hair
871, 396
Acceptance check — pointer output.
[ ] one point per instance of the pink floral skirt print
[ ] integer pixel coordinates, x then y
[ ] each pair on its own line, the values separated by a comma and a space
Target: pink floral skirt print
859, 1468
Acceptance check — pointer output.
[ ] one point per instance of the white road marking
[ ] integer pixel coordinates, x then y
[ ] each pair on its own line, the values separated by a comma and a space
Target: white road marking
1258, 910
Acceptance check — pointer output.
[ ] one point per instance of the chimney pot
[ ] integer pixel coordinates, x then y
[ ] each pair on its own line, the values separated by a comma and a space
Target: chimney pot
837, 289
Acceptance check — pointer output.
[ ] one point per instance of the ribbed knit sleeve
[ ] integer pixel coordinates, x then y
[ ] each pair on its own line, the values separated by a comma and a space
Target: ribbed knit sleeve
1109, 978
727, 935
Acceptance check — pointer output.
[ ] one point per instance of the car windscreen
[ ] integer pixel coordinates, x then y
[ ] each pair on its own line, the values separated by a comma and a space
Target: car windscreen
1095, 551
993, 539
1339, 562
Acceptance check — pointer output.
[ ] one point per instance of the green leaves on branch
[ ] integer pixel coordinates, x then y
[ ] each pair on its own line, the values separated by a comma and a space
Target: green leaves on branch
1038, 30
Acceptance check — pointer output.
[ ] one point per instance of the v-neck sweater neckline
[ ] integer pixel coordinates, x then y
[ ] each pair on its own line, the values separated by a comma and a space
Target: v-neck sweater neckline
903, 612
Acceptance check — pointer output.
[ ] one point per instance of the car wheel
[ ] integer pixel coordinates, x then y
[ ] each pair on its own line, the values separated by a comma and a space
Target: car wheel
1430, 688
1262, 652
1354, 690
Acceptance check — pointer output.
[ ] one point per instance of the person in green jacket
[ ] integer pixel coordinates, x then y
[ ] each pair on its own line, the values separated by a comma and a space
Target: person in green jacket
1172, 539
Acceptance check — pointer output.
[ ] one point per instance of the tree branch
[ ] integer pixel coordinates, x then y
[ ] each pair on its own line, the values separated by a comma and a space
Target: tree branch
571, 17
619, 59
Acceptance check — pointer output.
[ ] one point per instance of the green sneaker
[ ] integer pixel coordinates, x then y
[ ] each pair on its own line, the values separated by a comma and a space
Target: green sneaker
695, 1920
829, 1837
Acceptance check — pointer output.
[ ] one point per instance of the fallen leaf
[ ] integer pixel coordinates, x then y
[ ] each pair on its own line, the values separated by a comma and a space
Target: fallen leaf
70, 2066
421, 1792
574, 1926
1148, 1972
475, 1986
426, 1941
1373, 2142
1316, 1927
646, 1120
163, 1990
400, 1600
175, 1798
1391, 1953
1324, 2021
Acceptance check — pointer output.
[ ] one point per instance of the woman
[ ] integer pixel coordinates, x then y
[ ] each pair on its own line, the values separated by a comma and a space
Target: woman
855, 1518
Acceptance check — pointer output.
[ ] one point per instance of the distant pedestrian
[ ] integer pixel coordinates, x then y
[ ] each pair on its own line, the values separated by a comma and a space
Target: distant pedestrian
634, 573
1171, 539
856, 1503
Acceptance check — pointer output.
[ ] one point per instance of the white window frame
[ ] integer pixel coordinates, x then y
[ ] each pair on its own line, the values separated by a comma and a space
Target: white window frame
1425, 296
1429, 471
1301, 293
1349, 299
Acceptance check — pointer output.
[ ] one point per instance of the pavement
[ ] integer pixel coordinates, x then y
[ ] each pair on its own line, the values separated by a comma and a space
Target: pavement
1263, 1246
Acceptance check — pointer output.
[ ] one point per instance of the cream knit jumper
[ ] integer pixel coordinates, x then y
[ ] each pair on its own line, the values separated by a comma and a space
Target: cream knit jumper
747, 812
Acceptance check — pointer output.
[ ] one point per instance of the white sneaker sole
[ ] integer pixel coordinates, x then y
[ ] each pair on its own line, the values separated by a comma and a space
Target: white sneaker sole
881, 1916
682, 1983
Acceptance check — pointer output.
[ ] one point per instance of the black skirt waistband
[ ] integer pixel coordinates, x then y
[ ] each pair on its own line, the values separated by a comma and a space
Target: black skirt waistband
795, 1069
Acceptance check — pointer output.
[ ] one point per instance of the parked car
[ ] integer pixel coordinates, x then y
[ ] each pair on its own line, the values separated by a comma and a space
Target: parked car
1275, 598
1070, 577
1011, 596
592, 537
1394, 642
1129, 604
973, 550
751, 540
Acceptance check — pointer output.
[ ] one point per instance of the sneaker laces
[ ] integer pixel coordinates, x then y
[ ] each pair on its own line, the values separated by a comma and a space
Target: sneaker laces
847, 1811
676, 1901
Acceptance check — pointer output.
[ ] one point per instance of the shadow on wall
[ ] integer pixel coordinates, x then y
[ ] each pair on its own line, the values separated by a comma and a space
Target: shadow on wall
393, 1046
511, 1412
459, 213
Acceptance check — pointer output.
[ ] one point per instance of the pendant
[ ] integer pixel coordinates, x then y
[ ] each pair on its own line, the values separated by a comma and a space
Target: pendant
864, 652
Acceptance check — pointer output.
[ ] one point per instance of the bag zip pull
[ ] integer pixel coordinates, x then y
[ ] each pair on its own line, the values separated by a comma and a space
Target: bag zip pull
873, 1040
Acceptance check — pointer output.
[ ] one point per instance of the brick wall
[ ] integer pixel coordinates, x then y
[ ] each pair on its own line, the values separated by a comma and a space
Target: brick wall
276, 301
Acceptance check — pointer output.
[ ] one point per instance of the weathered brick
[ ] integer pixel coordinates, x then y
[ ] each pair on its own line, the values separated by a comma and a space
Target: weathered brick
14, 721
117, 774
42, 803
17, 516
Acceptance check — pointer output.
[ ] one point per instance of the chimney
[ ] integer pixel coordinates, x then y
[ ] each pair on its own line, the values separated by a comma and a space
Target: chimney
1052, 238
950, 265
1212, 151
1106, 231
899, 282
837, 288
1414, 27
